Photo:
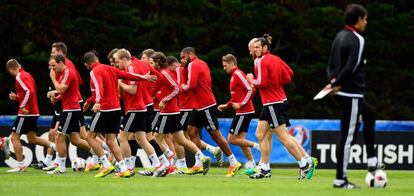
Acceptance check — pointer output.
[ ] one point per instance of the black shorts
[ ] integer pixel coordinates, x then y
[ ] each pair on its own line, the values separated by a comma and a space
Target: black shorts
106, 122
275, 114
205, 118
149, 118
240, 124
184, 119
69, 122
81, 117
55, 119
168, 124
154, 122
133, 122
24, 124
57, 110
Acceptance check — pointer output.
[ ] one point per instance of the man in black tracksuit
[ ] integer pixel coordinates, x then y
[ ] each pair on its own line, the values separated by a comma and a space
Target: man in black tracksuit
347, 78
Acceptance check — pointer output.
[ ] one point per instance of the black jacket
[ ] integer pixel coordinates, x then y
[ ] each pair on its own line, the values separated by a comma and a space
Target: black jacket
346, 63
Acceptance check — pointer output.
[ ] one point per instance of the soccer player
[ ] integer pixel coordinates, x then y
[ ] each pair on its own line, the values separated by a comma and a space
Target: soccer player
162, 149
26, 122
200, 84
111, 57
251, 47
168, 121
60, 48
347, 79
186, 108
67, 86
4, 146
241, 100
134, 119
106, 109
272, 74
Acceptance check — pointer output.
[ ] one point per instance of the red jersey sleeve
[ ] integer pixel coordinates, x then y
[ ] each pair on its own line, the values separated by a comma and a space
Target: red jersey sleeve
287, 74
193, 73
22, 82
67, 78
242, 81
170, 82
91, 99
97, 83
153, 71
127, 76
261, 73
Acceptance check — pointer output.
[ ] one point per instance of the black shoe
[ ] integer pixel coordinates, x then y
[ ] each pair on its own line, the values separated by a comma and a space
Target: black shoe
347, 185
379, 166
261, 174
39, 165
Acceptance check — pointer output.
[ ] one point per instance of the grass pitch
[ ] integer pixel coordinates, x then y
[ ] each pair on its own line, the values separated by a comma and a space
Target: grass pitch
283, 182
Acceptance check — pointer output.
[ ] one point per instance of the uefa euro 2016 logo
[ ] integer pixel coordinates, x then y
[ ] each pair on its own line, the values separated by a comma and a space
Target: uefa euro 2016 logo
300, 133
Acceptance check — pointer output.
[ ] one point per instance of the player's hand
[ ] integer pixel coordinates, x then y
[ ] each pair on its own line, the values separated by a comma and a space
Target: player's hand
335, 89
96, 107
236, 106
85, 107
249, 77
12, 96
161, 105
222, 107
151, 78
51, 94
25, 111
52, 73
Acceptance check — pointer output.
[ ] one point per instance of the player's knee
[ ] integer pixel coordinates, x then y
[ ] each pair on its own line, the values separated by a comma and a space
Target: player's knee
232, 139
15, 137
259, 136
31, 138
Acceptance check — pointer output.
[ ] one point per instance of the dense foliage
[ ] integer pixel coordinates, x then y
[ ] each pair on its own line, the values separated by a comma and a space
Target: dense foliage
302, 32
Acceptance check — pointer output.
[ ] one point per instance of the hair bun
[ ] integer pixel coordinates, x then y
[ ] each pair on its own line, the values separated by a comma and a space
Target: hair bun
268, 38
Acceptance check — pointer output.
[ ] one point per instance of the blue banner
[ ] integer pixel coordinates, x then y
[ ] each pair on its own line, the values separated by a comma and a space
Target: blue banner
301, 129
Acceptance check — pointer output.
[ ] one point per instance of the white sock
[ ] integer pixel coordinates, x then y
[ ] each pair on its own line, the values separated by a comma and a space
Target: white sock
95, 159
164, 160
104, 161
62, 163
169, 153
308, 158
128, 163
232, 159
53, 146
154, 159
265, 166
372, 162
339, 181
48, 159
20, 164
133, 159
105, 146
198, 157
256, 146
210, 148
252, 162
122, 166
181, 163
302, 162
